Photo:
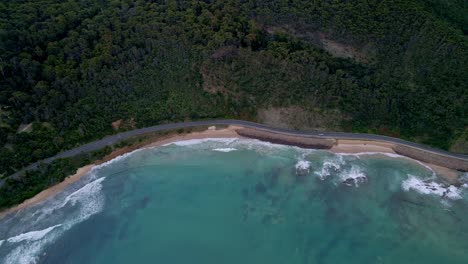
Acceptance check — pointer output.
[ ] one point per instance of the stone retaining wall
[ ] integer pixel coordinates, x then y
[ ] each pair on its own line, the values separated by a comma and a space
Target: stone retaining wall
303, 142
322, 143
433, 158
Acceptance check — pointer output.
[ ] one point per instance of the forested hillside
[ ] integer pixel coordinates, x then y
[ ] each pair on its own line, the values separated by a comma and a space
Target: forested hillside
68, 69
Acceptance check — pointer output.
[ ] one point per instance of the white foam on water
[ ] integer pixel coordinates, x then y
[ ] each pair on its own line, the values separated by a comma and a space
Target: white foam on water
453, 193
24, 254
89, 201
329, 166
1, 242
92, 174
464, 178
28, 251
391, 155
31, 236
224, 149
356, 174
84, 192
87, 192
190, 142
303, 165
114, 160
431, 187
253, 143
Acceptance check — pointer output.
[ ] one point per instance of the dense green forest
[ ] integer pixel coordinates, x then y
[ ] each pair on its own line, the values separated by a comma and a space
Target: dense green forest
71, 68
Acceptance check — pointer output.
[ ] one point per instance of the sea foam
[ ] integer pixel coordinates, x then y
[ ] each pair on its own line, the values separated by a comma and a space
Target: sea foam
391, 155
431, 187
25, 254
31, 236
354, 176
89, 200
224, 149
302, 165
190, 142
330, 166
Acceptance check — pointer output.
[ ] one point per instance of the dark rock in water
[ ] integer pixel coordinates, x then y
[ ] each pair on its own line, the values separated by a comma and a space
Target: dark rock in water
300, 172
260, 188
349, 181
302, 168
355, 181
272, 176
143, 203
463, 179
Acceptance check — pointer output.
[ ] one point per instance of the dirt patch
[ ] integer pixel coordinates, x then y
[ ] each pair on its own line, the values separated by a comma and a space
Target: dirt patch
25, 128
361, 53
460, 145
123, 124
214, 80
295, 117
341, 50
225, 52
116, 124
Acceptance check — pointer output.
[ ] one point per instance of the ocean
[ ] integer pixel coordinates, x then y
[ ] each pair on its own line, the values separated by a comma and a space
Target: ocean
245, 201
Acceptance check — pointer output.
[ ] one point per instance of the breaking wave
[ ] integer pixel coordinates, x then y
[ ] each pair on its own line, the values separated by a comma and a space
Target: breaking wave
88, 199
431, 187
224, 149
391, 155
354, 176
302, 165
190, 142
31, 236
330, 166
26, 246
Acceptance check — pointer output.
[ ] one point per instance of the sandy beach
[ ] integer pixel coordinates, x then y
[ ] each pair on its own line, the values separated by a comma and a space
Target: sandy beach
356, 146
359, 146
229, 132
49, 191
341, 146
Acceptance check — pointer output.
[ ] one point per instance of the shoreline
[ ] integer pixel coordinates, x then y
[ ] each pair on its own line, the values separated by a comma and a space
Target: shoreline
363, 146
51, 191
229, 132
343, 146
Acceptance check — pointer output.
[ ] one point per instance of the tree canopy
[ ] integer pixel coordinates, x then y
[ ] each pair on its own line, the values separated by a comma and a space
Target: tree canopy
71, 68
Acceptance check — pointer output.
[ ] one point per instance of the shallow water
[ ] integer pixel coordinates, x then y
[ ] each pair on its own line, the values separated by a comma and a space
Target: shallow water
245, 201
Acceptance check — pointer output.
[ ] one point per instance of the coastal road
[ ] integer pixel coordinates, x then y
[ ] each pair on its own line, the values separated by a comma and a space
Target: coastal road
109, 140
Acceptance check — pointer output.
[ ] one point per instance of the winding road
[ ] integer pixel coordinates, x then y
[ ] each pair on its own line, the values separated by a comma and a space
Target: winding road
109, 140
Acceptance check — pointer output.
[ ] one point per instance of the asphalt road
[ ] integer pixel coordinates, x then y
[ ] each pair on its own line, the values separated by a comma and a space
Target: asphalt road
109, 140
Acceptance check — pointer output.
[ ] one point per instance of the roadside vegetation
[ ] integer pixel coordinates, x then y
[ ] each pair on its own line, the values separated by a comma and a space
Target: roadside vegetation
71, 68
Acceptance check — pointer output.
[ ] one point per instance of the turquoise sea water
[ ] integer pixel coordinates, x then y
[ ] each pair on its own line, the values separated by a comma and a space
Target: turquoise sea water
245, 201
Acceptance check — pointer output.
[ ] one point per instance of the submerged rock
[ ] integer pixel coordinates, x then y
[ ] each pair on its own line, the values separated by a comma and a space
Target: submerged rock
260, 188
355, 181
302, 167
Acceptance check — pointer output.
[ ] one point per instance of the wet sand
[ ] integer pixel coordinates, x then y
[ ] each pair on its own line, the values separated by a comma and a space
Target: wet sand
49, 191
359, 146
229, 132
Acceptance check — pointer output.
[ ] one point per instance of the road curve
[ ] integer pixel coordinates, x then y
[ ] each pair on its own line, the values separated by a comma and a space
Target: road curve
109, 140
